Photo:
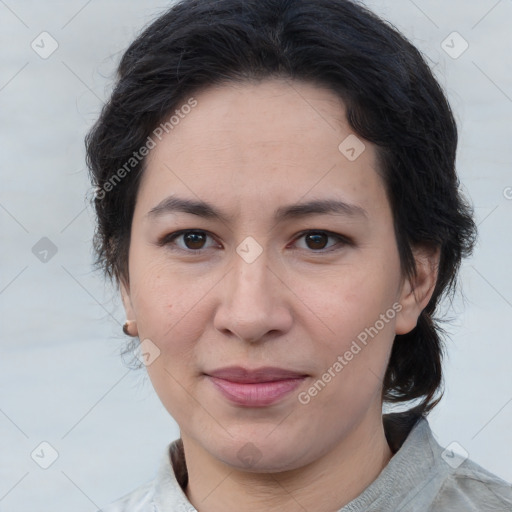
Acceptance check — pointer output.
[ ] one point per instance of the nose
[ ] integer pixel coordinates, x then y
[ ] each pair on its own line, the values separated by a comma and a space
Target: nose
254, 302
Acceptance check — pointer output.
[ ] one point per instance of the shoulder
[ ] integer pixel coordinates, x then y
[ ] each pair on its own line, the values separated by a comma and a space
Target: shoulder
427, 477
472, 488
164, 493
462, 484
139, 500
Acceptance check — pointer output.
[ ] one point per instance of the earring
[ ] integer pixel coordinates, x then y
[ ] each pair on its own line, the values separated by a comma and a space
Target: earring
126, 326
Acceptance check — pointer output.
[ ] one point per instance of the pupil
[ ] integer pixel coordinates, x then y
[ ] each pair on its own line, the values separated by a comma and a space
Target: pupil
318, 240
194, 240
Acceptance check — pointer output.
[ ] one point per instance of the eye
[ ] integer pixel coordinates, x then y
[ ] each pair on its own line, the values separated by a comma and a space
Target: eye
191, 240
317, 240
195, 241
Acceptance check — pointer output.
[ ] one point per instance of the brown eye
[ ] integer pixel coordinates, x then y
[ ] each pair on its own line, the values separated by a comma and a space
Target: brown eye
187, 241
322, 241
317, 240
194, 240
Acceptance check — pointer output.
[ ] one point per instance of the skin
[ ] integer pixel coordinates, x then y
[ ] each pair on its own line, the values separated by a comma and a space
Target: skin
249, 149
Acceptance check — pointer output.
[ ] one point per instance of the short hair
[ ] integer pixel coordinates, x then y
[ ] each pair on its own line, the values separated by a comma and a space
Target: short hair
392, 100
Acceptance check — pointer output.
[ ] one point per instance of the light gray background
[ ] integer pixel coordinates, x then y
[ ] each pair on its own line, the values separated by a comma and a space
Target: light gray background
61, 378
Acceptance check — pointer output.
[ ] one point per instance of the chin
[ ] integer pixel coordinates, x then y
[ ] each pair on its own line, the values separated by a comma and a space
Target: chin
261, 454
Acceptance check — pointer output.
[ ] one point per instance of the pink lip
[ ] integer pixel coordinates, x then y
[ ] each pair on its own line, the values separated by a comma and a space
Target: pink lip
255, 388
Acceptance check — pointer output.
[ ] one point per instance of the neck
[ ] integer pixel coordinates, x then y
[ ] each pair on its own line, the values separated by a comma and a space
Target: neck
325, 485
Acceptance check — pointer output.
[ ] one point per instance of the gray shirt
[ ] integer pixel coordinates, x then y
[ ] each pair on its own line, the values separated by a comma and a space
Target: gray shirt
421, 476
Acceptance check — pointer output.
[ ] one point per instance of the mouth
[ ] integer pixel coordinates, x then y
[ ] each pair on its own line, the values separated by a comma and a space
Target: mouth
255, 388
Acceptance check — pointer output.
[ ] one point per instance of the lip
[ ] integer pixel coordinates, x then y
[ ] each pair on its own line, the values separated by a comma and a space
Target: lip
255, 388
246, 376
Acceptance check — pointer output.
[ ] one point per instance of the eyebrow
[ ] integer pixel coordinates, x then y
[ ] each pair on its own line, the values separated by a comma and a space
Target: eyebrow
205, 210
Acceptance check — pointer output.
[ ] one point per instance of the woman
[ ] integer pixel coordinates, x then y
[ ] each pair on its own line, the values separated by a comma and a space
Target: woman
277, 200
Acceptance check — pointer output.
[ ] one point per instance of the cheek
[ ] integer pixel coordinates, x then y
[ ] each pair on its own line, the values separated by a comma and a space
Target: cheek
172, 312
346, 302
354, 358
353, 341
173, 309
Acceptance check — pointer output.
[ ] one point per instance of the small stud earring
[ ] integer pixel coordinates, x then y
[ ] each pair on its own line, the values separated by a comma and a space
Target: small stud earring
126, 326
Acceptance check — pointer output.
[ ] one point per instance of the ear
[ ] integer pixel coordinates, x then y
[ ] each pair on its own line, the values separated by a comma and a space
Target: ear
416, 292
127, 302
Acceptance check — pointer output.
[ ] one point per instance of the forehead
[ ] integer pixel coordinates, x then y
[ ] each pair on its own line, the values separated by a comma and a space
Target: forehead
258, 143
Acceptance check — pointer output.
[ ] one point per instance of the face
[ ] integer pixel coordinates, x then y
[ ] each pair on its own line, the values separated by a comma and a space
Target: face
271, 309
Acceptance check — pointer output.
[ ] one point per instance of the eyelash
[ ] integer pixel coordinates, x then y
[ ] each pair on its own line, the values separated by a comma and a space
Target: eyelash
169, 239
